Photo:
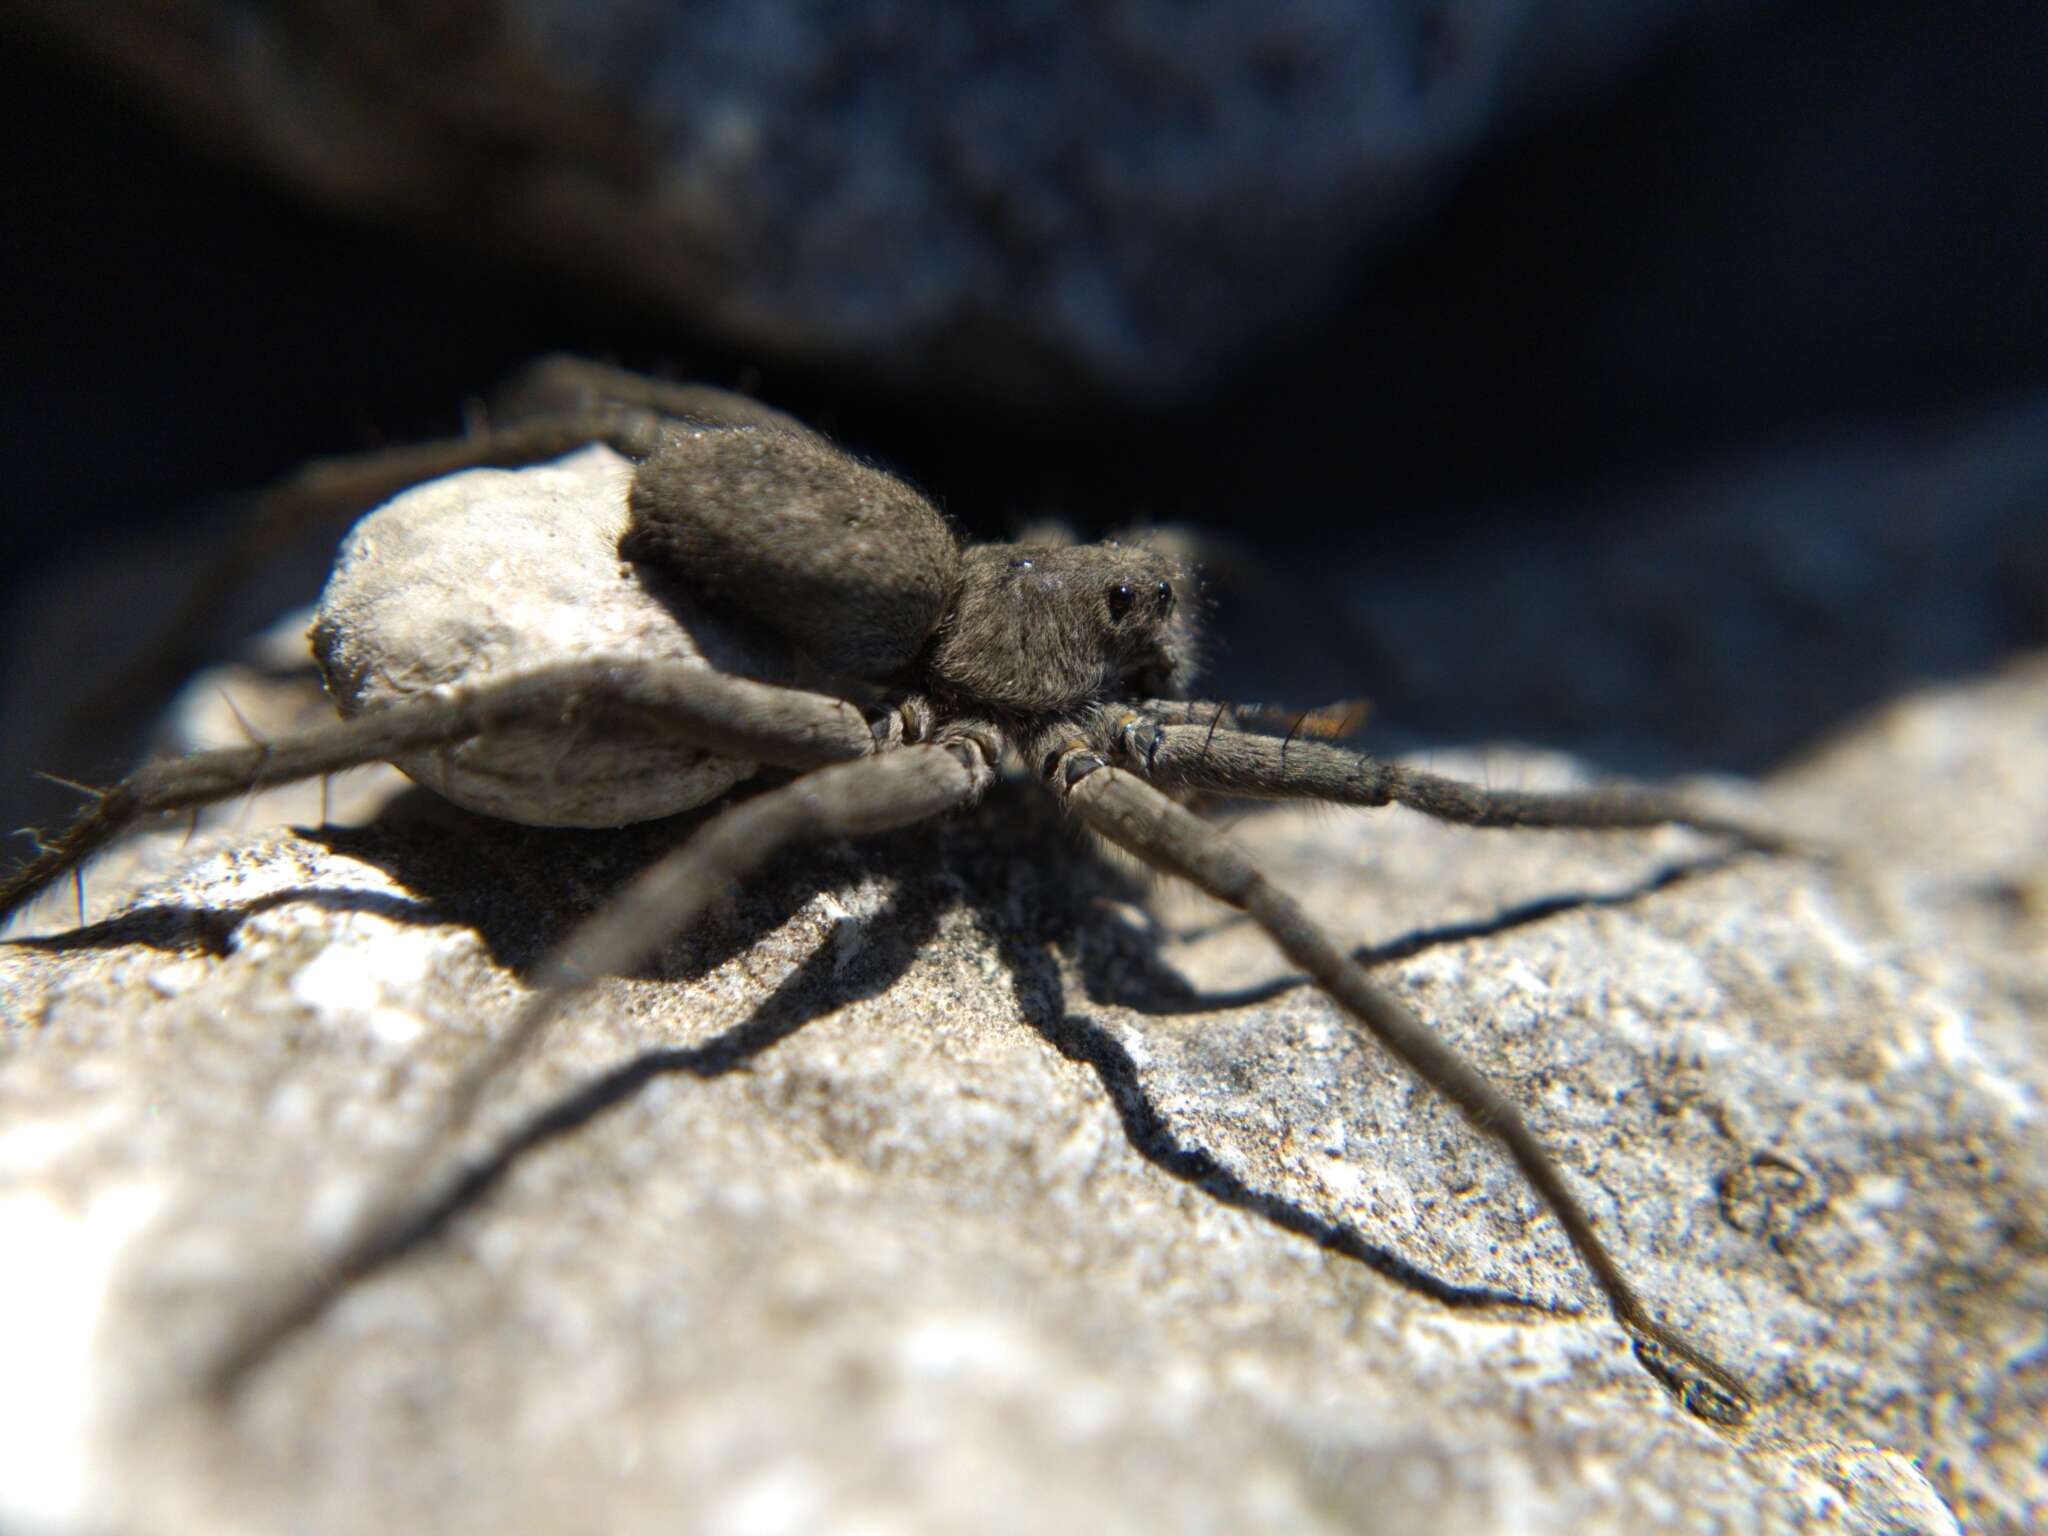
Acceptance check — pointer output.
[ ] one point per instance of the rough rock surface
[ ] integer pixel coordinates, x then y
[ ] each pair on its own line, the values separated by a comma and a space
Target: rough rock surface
466, 578
956, 1181
1021, 195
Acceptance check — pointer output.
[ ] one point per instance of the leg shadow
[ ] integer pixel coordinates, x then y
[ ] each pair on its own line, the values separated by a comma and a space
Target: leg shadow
522, 890
1145, 984
822, 984
1041, 998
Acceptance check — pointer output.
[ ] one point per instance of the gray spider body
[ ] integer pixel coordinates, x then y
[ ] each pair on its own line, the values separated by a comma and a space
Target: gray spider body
786, 605
862, 577
755, 550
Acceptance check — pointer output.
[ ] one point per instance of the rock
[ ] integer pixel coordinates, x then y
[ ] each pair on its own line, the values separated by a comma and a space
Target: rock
956, 1181
1021, 197
1728, 615
478, 575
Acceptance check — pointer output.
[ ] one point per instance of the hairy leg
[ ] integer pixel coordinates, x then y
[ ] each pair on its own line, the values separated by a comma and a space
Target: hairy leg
1222, 761
561, 384
853, 799
754, 722
1137, 817
553, 406
333, 490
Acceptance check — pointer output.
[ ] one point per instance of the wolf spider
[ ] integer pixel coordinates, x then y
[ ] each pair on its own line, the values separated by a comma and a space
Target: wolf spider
931, 665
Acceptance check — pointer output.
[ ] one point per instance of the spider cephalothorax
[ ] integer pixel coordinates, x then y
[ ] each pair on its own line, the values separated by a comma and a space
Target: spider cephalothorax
1041, 630
925, 665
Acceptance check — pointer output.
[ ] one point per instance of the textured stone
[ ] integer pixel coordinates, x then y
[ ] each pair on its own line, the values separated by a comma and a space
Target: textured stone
479, 575
956, 1181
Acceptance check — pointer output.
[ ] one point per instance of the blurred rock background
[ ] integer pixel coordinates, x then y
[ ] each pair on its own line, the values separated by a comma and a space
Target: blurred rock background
1697, 332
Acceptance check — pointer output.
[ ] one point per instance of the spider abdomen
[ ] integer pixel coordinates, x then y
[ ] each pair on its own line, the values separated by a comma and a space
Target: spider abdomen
850, 565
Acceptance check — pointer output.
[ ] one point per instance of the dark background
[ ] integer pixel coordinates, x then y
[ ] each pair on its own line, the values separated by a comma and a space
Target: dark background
1802, 236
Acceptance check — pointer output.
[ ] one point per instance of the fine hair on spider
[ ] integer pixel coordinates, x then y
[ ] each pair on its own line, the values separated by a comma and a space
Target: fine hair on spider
905, 670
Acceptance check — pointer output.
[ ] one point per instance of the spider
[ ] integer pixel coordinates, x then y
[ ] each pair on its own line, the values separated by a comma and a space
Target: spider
902, 671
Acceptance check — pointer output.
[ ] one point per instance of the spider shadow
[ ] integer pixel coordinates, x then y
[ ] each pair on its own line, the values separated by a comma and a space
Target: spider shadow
825, 982
1124, 968
1032, 909
522, 890
1130, 973
177, 928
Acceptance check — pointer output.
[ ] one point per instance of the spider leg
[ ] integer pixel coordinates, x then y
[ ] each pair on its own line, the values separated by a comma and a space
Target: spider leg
1197, 756
553, 406
851, 799
562, 383
753, 722
353, 483
1137, 817
333, 489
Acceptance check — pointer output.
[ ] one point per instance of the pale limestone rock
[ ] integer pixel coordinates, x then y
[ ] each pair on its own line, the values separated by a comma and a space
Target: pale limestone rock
998, 1221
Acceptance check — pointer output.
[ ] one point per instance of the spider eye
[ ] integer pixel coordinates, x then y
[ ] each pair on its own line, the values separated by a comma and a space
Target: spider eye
1121, 596
1165, 598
